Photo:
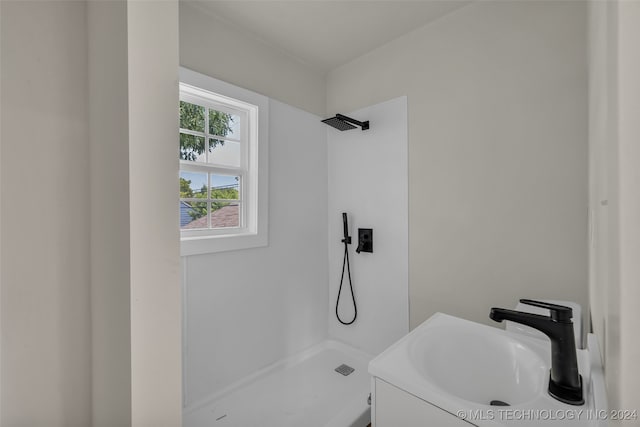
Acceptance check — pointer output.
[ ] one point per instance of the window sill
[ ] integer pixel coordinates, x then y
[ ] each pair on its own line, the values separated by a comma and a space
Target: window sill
221, 243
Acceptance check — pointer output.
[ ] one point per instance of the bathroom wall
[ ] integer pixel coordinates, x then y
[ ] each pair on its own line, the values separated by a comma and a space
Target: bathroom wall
156, 363
497, 152
368, 180
46, 319
600, 108
628, 190
49, 215
247, 309
219, 49
1, 117
614, 28
604, 286
135, 267
110, 252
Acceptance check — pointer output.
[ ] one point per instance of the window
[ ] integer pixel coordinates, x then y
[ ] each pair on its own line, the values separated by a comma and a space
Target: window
219, 175
214, 167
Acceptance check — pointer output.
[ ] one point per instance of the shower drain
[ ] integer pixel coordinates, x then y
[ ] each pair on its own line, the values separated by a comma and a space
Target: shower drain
344, 369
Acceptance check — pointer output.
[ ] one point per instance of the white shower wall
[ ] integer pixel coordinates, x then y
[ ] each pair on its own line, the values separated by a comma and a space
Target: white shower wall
368, 180
247, 309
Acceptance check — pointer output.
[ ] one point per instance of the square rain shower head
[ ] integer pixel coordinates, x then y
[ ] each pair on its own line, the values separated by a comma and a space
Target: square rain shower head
339, 123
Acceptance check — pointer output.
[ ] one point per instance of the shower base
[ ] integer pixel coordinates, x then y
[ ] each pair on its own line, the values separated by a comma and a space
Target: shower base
303, 390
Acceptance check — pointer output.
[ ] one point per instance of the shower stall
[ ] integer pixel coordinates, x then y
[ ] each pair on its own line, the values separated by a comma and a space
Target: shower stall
262, 344
301, 390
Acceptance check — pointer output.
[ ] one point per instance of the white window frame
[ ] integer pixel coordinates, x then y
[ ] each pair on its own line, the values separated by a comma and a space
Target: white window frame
248, 114
203, 90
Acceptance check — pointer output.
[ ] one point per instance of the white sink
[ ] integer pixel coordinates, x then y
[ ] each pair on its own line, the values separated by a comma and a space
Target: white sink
470, 361
458, 365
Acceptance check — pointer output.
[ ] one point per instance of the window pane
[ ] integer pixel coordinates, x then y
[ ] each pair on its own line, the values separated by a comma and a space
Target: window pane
193, 185
225, 214
191, 116
225, 187
192, 148
224, 153
224, 124
193, 215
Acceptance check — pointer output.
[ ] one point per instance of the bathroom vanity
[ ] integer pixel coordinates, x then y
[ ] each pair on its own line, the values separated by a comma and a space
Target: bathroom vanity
395, 407
454, 372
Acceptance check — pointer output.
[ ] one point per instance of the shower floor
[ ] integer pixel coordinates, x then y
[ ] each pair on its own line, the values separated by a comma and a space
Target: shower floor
304, 390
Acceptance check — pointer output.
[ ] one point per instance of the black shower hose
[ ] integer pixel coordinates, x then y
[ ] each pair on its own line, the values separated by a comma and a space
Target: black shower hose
345, 262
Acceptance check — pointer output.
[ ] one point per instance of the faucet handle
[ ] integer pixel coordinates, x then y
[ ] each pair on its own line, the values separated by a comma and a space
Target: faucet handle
559, 313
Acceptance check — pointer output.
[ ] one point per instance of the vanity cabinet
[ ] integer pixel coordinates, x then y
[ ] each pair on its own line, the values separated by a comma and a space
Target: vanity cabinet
393, 407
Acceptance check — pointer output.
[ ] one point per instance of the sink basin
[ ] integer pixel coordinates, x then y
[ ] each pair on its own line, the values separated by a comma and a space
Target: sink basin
472, 362
461, 367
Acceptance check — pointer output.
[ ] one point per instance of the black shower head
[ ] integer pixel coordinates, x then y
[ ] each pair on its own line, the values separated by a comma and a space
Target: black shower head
341, 122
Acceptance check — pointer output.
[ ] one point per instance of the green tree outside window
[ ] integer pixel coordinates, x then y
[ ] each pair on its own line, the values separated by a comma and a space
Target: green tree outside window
192, 117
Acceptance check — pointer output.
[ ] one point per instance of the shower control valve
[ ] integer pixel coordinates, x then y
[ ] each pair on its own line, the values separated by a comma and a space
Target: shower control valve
365, 240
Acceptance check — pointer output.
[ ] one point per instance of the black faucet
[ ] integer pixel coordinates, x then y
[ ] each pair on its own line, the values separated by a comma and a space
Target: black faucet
565, 383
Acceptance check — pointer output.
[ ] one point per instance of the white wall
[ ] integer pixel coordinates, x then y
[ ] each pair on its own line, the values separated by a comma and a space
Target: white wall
156, 354
218, 49
604, 286
247, 309
614, 185
46, 324
1, 116
136, 300
629, 190
110, 255
47, 340
497, 152
601, 91
368, 180
47, 335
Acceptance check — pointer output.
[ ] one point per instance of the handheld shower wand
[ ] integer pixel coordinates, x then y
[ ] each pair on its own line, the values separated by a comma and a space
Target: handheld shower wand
345, 229
345, 262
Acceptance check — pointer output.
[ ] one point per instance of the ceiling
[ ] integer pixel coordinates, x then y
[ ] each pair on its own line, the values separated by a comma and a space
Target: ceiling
329, 33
